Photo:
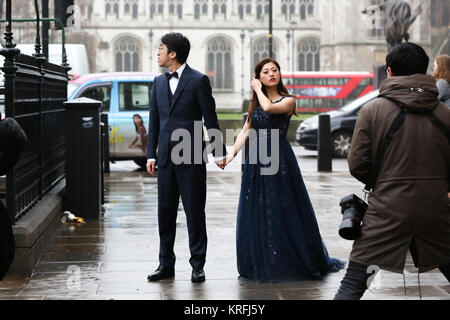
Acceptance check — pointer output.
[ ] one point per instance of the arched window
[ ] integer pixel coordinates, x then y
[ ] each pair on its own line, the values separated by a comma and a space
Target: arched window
215, 10
244, 8
135, 10
219, 7
309, 55
219, 62
260, 49
291, 10
197, 11
90, 10
180, 11
116, 9
306, 9
152, 10
200, 7
302, 12
223, 10
284, 11
127, 54
111, 6
259, 15
171, 8
127, 8
161, 8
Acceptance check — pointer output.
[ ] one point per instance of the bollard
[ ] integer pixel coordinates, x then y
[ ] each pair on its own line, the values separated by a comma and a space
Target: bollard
83, 158
324, 156
104, 119
102, 162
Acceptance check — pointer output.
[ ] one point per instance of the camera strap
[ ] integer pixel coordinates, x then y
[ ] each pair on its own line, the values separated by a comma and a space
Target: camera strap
398, 122
383, 148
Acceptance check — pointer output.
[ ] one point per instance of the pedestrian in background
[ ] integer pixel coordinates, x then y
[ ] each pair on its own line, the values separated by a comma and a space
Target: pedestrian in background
442, 76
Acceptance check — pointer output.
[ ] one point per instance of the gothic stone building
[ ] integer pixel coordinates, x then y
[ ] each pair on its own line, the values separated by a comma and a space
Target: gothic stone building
228, 36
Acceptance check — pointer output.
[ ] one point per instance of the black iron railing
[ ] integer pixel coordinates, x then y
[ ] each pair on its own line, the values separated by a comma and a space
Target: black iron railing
40, 88
34, 92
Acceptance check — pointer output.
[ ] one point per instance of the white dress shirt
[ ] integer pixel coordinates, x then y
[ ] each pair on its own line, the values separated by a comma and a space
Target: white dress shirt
173, 82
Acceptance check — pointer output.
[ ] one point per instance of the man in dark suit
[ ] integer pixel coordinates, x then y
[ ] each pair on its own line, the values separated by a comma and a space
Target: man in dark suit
179, 100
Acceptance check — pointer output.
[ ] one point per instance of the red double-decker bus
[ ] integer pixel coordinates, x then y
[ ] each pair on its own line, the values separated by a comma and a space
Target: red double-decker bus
327, 91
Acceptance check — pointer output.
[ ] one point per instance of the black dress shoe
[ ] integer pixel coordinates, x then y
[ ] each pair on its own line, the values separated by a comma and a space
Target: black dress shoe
198, 275
161, 273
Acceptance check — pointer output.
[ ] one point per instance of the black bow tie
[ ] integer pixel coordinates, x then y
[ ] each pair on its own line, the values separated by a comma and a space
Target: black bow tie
171, 75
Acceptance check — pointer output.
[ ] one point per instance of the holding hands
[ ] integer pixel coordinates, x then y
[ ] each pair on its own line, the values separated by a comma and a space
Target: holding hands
222, 164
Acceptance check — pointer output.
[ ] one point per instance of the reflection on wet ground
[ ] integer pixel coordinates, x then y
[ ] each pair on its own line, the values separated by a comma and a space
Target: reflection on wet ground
111, 258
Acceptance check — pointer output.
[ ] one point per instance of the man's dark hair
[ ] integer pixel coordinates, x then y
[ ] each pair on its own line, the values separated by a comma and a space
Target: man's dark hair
407, 59
178, 43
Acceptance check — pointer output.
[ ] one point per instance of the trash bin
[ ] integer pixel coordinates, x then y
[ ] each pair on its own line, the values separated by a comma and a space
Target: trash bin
83, 158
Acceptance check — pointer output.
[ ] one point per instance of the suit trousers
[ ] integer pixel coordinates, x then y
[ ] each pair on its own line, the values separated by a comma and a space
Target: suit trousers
189, 182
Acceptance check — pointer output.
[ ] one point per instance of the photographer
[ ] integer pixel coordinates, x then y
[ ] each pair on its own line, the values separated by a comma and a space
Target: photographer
408, 206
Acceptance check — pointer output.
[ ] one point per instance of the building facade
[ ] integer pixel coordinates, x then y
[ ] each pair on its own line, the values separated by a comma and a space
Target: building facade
228, 36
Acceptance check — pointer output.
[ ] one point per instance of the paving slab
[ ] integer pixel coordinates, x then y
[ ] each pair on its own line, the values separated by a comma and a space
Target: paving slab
111, 258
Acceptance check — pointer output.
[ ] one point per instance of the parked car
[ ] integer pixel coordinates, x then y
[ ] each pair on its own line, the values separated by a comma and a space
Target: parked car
342, 124
126, 99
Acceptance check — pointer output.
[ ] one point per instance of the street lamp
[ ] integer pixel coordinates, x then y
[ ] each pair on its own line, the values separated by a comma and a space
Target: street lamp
288, 40
150, 36
250, 33
292, 28
270, 30
242, 61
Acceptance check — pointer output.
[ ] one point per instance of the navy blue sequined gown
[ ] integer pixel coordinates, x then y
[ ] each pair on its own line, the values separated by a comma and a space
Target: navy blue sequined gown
278, 237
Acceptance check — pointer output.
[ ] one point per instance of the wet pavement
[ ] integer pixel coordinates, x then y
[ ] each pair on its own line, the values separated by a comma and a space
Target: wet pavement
111, 258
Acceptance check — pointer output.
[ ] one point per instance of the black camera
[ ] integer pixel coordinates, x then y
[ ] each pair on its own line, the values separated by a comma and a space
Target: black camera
353, 209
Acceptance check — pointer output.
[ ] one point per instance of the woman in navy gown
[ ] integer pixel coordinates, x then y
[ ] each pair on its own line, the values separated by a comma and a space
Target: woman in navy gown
278, 238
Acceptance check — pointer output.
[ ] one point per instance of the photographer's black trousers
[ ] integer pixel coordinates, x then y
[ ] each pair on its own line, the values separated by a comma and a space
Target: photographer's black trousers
354, 283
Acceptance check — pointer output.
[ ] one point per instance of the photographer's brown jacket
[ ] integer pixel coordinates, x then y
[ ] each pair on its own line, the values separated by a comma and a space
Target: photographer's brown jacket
409, 206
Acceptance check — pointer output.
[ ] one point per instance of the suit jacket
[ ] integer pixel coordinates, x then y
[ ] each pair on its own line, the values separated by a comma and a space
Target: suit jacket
191, 101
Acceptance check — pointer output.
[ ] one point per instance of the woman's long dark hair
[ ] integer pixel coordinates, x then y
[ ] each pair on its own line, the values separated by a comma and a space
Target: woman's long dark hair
281, 88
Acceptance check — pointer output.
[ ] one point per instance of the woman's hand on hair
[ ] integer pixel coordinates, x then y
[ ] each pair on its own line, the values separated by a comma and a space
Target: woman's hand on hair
256, 85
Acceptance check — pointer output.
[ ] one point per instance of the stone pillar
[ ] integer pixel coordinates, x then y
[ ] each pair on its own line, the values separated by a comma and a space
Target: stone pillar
188, 8
166, 11
229, 4
235, 7
210, 9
